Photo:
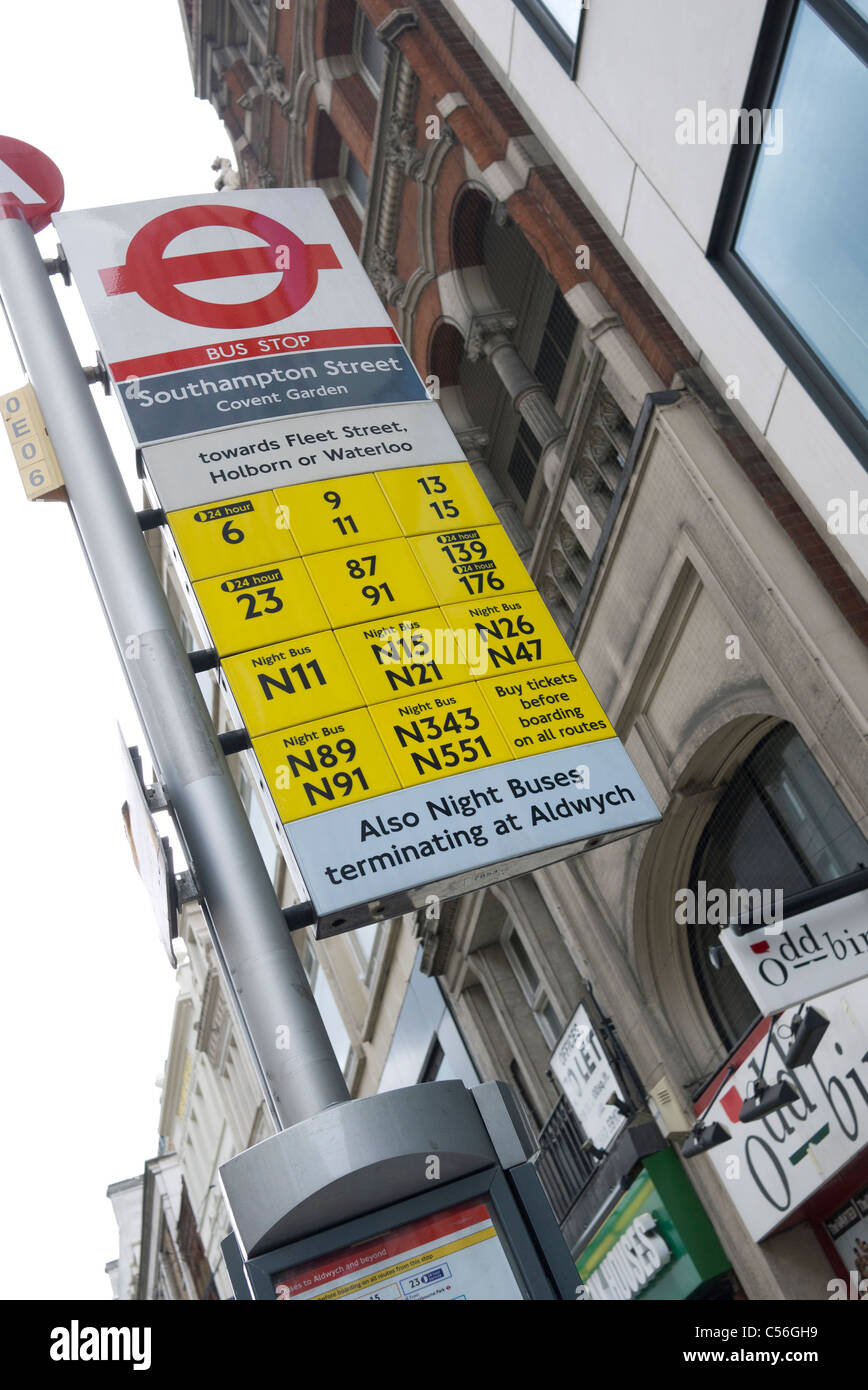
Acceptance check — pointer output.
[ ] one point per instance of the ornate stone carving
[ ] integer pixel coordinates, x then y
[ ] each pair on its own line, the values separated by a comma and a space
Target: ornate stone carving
273, 82
566, 539
474, 442
400, 146
483, 328
612, 415
589, 478
383, 267
265, 179
598, 445
272, 69
395, 23
228, 177
549, 590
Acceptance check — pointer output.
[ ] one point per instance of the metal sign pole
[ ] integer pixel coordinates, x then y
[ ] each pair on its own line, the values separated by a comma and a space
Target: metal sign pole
265, 973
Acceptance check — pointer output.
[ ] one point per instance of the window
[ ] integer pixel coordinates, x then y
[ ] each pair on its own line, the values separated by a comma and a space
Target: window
549, 367
326, 1003
370, 53
789, 236
356, 178
335, 167
558, 23
363, 941
544, 1014
778, 825
434, 1064
259, 823
255, 13
524, 459
533, 1119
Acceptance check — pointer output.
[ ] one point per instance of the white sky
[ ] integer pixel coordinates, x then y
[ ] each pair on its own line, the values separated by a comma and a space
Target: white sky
104, 88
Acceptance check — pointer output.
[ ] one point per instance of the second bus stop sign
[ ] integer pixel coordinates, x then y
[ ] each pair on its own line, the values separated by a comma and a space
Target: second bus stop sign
31, 185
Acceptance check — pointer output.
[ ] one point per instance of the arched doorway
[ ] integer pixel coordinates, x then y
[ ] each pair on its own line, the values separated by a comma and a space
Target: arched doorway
752, 809
779, 825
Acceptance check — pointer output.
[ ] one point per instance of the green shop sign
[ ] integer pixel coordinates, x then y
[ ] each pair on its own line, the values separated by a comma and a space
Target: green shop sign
656, 1243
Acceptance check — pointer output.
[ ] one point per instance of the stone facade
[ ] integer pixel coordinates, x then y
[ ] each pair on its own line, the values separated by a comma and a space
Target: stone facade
705, 604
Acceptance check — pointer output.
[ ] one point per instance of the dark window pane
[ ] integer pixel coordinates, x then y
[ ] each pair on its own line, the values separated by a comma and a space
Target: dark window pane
357, 178
433, 1063
522, 960
802, 232
555, 346
372, 52
561, 324
821, 831
525, 456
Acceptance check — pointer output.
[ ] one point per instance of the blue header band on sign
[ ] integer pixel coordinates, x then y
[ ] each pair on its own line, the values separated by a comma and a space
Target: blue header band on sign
210, 398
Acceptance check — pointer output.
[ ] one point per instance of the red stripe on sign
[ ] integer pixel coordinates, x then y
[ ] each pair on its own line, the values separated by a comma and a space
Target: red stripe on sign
356, 1260
247, 349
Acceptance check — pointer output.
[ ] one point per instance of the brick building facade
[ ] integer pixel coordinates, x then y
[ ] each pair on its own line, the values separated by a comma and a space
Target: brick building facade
684, 555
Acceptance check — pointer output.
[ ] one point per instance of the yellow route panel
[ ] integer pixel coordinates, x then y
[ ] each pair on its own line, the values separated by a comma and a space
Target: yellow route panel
514, 632
291, 683
540, 710
257, 607
437, 735
367, 582
226, 536
427, 499
316, 767
475, 563
415, 652
345, 511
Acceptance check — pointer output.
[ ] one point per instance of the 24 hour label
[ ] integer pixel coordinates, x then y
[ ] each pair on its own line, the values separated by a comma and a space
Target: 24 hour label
257, 607
478, 562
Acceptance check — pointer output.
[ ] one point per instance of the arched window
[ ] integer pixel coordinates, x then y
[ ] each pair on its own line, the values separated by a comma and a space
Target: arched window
447, 349
519, 284
779, 825
469, 219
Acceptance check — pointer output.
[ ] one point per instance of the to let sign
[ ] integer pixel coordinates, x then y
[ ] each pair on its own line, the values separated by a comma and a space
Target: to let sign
587, 1080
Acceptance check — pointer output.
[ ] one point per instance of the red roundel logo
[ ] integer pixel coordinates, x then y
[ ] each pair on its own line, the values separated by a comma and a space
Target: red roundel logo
155, 277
